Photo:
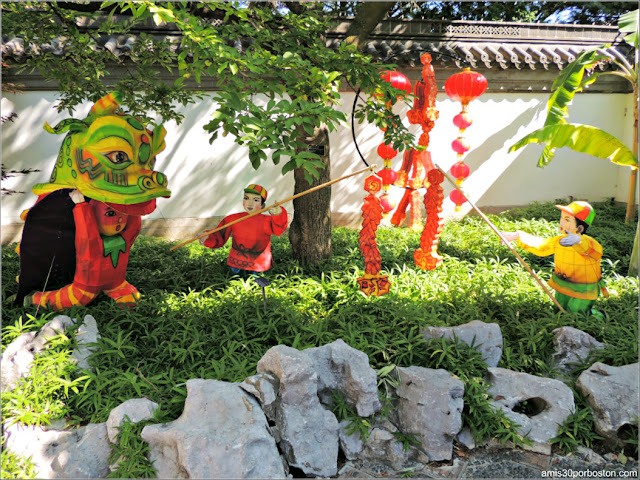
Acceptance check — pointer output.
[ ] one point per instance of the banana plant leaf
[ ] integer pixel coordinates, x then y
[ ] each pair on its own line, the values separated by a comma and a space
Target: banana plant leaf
568, 83
629, 23
580, 138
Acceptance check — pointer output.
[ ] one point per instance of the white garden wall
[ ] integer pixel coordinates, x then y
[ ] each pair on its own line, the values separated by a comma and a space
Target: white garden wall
207, 180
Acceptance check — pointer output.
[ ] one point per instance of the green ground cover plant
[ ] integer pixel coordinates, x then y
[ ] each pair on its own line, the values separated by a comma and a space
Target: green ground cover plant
197, 321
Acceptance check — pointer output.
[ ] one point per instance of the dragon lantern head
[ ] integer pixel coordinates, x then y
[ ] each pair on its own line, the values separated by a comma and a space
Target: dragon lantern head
108, 156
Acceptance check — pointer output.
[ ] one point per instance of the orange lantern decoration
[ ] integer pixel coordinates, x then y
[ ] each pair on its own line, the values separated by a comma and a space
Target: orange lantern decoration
372, 283
427, 256
463, 87
417, 163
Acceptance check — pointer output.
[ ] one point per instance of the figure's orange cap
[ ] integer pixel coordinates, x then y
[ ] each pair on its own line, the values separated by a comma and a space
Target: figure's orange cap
258, 190
581, 210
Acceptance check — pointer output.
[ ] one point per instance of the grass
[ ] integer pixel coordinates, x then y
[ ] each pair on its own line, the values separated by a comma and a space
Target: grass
196, 321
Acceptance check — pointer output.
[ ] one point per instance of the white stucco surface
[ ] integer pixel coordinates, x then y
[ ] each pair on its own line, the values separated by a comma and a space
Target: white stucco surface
206, 180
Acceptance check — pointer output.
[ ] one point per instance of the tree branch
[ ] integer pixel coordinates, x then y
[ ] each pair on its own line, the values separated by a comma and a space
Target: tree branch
368, 16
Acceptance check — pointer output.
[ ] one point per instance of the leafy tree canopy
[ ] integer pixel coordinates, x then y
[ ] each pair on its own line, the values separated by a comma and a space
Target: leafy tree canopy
239, 49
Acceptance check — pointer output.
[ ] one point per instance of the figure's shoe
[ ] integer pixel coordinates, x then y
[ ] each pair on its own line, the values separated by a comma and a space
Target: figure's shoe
597, 314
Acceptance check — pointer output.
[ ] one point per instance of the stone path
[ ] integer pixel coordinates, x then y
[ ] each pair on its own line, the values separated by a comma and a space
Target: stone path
503, 464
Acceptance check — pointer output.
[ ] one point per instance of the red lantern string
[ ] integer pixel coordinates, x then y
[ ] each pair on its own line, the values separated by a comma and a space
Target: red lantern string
463, 87
427, 256
372, 283
387, 152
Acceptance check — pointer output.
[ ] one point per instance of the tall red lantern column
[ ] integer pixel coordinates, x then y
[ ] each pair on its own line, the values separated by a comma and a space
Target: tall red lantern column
463, 87
372, 283
387, 152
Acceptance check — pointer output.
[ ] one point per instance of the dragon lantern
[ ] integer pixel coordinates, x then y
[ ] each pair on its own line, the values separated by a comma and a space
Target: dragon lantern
77, 237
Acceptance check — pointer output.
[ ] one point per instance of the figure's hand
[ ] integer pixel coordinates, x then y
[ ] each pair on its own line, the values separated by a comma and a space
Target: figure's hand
275, 210
203, 238
76, 196
570, 239
510, 236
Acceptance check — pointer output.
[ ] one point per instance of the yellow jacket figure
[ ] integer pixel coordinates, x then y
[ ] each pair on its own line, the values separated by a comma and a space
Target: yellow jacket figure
577, 274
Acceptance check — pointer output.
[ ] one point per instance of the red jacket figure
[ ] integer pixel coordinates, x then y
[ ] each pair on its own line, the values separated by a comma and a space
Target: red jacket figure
251, 238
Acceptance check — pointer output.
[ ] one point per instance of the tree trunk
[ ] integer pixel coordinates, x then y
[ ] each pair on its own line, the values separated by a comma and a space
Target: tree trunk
310, 230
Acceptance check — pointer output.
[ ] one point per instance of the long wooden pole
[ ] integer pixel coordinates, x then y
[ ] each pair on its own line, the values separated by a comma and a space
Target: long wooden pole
506, 242
258, 212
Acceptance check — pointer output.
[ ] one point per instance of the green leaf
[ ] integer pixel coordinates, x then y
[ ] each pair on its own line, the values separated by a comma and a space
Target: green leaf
581, 138
566, 85
629, 23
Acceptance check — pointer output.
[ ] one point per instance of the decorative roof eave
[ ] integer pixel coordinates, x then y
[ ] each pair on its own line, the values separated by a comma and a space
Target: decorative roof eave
493, 48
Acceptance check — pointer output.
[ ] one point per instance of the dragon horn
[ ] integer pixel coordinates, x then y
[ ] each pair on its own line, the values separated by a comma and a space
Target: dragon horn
68, 124
106, 105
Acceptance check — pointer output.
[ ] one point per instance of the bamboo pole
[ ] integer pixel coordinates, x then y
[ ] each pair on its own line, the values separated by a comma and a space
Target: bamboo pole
318, 187
506, 242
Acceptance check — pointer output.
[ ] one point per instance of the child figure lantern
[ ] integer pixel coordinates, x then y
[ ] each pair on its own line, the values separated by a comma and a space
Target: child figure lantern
463, 87
251, 238
77, 237
577, 276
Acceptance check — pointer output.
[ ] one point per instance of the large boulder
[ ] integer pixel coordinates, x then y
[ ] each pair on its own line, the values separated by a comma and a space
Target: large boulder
343, 368
19, 354
79, 453
612, 394
308, 432
485, 337
134, 409
430, 404
549, 403
222, 433
572, 346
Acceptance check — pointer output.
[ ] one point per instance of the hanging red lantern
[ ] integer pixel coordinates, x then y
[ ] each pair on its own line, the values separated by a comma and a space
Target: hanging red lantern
388, 176
397, 80
460, 145
460, 170
386, 203
462, 121
386, 152
465, 86
456, 197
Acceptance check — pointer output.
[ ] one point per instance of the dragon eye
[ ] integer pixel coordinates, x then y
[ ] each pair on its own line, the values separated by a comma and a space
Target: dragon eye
118, 157
109, 213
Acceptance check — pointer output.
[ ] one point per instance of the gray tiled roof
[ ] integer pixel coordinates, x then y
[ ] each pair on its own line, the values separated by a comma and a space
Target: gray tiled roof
489, 47
484, 45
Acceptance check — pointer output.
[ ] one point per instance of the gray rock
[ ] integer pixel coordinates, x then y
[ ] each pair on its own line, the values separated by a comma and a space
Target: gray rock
485, 337
571, 346
347, 370
79, 453
222, 433
19, 354
16, 360
86, 335
612, 394
552, 399
55, 327
350, 444
430, 404
308, 432
264, 387
383, 446
135, 409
